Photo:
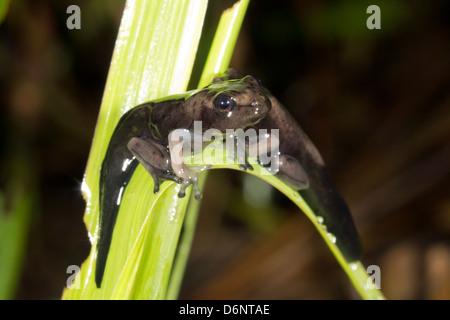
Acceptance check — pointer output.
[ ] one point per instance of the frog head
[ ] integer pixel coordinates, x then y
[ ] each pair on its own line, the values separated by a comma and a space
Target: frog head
231, 104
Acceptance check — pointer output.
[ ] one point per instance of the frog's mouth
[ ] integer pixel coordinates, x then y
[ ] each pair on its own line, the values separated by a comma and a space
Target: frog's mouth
251, 124
258, 113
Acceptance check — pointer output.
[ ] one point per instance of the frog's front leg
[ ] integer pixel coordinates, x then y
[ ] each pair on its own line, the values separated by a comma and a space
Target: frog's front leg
155, 158
181, 143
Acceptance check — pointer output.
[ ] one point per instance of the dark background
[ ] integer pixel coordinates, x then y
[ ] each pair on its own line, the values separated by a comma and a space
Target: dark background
375, 102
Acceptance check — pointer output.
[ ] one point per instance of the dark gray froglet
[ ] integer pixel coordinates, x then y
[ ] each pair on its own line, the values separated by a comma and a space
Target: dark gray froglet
141, 136
230, 102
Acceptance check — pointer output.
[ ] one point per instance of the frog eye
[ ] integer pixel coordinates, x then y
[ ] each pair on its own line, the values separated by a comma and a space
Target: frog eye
224, 103
258, 80
252, 80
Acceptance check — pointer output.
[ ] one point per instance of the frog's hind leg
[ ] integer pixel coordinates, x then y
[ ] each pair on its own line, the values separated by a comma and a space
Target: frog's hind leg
155, 158
287, 168
292, 172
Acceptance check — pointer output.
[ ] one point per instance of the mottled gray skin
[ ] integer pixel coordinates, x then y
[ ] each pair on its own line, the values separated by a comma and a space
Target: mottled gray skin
141, 136
298, 155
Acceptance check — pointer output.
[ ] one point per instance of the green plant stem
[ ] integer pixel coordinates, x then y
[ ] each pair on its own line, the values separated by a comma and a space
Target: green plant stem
354, 269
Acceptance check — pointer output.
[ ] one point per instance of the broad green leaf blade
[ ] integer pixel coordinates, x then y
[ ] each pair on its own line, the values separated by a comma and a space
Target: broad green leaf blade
185, 243
155, 260
153, 57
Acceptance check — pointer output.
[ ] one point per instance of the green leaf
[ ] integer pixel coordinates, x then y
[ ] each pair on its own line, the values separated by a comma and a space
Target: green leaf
354, 269
224, 41
153, 58
17, 204
146, 65
4, 5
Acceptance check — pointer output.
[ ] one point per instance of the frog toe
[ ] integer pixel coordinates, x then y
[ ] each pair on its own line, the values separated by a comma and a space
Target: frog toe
182, 192
246, 166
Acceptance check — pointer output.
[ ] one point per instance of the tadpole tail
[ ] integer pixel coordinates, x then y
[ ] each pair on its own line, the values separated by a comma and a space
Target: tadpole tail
112, 189
117, 168
326, 202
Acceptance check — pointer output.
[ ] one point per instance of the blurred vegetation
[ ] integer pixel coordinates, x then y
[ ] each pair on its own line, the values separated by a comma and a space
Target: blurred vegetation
375, 102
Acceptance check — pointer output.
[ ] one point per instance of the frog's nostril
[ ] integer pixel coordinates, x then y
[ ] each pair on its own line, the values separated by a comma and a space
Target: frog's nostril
255, 103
